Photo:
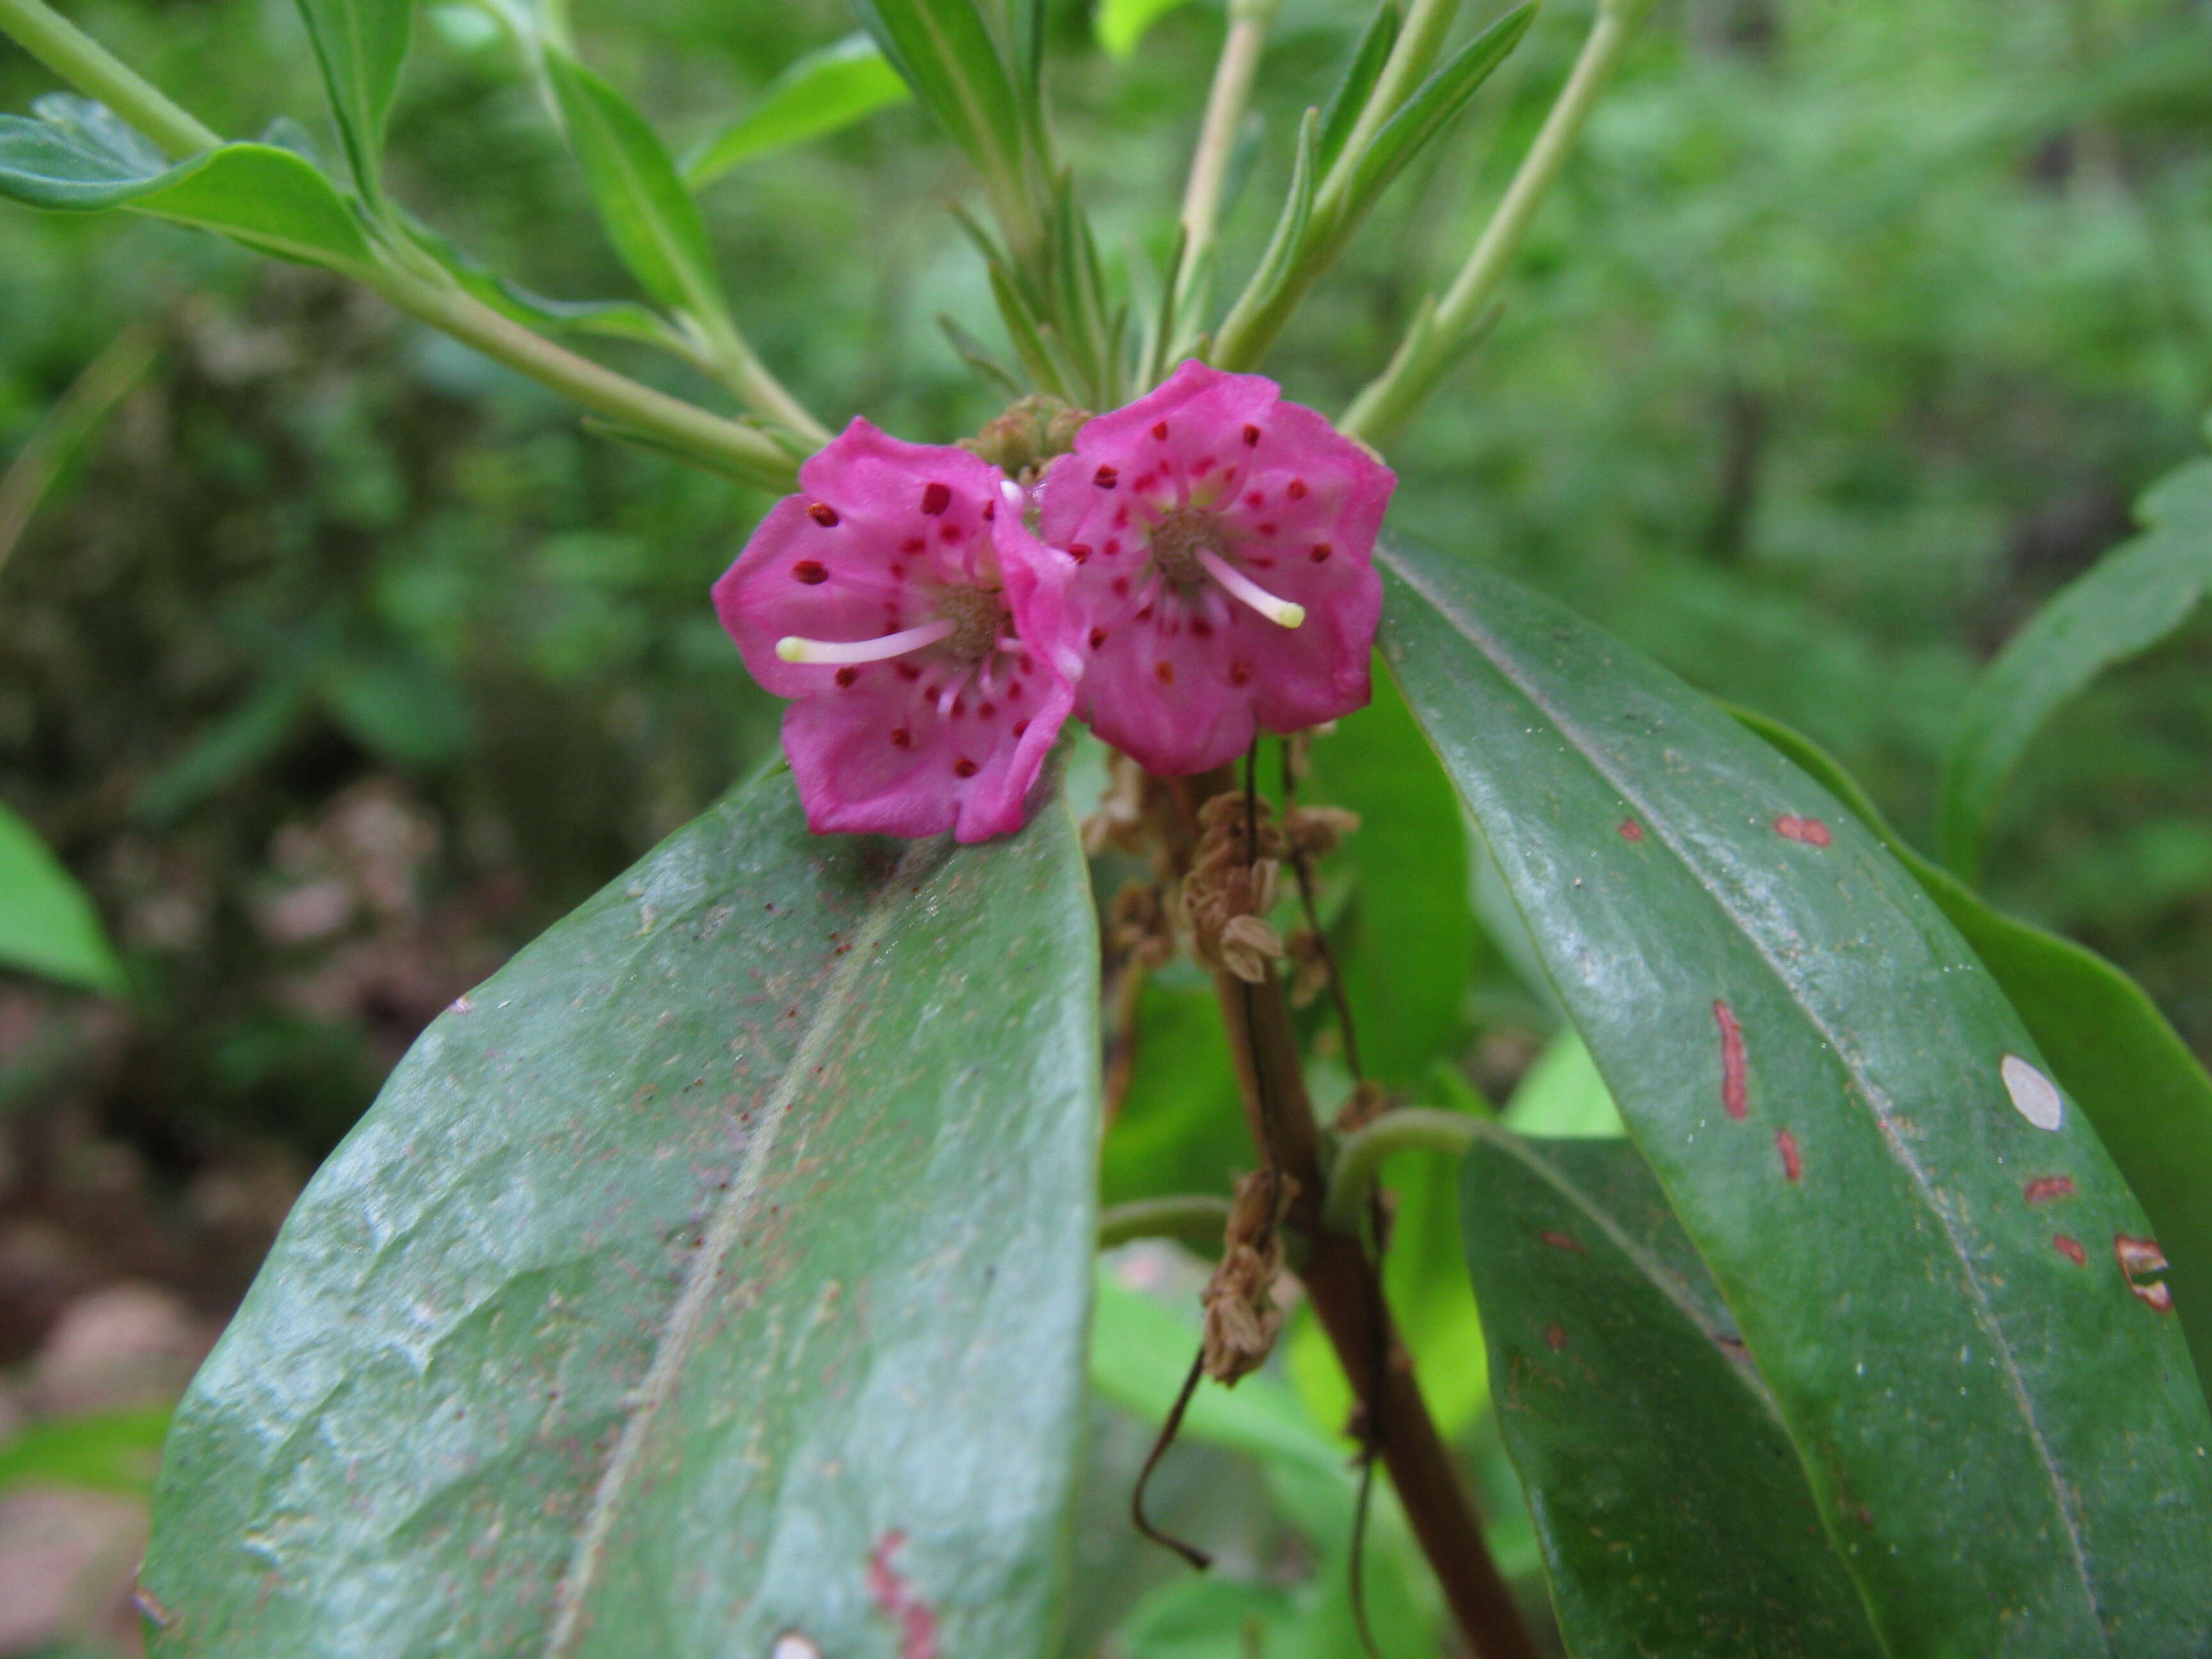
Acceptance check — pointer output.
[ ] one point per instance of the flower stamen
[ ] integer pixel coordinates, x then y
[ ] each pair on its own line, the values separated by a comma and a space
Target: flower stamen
792, 649
1282, 612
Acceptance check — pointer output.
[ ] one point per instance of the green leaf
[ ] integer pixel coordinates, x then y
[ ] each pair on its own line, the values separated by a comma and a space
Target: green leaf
1672, 1512
720, 1268
232, 746
2108, 1045
266, 197
1180, 1128
946, 52
48, 925
360, 45
1814, 1063
1119, 24
613, 320
1563, 1096
648, 216
1424, 115
2136, 596
821, 93
1360, 74
401, 709
113, 1452
1406, 945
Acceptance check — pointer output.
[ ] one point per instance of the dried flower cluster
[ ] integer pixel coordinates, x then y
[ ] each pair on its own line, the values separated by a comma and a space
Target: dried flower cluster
1196, 568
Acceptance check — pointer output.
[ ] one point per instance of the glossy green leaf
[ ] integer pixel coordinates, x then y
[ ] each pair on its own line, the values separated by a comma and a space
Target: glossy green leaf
1669, 1503
48, 925
2136, 596
719, 1268
1120, 24
361, 46
647, 214
2108, 1045
821, 93
946, 52
268, 198
1407, 943
1813, 1062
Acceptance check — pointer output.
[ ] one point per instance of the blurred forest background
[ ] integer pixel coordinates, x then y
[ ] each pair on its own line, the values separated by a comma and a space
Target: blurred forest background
341, 662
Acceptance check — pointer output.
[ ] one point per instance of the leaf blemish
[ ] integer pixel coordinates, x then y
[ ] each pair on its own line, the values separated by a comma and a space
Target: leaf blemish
1555, 1338
2070, 1248
2044, 1188
1735, 1094
2034, 1095
2136, 1257
1631, 830
1811, 832
1561, 1241
917, 1624
1793, 1165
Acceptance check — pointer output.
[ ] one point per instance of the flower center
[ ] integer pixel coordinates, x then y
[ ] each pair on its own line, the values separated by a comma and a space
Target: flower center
1183, 534
978, 616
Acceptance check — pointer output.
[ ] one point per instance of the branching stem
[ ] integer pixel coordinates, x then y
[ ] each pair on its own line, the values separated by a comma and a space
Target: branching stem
1360, 1155
1198, 1217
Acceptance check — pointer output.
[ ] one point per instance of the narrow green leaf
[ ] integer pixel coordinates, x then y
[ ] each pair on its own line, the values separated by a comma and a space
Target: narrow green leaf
719, 1269
946, 52
643, 206
2108, 1045
1845, 1113
2136, 595
47, 924
361, 46
821, 93
1563, 1096
1341, 113
1672, 1512
1119, 24
109, 1451
268, 198
614, 319
1425, 114
233, 746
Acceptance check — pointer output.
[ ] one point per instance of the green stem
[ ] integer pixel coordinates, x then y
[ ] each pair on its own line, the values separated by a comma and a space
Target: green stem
72, 421
1192, 1215
731, 359
1248, 21
89, 67
1360, 1155
1432, 345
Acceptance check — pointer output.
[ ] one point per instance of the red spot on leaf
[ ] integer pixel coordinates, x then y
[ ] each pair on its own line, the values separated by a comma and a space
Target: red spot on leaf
2044, 1188
1631, 830
1735, 1094
1561, 1241
890, 1592
2070, 1248
1811, 831
1793, 1165
1555, 1338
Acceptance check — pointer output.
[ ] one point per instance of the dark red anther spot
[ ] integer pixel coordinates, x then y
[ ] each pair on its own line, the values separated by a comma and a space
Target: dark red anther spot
1251, 436
812, 571
1146, 615
1320, 552
913, 544
2070, 1248
901, 738
1163, 673
959, 707
1555, 1338
1106, 477
985, 710
964, 768
1296, 490
1205, 464
917, 1624
1120, 584
1079, 551
1254, 498
847, 675
1811, 831
1631, 830
898, 573
2044, 1188
1113, 546
935, 498
1793, 1166
990, 511
1263, 530
1160, 430
1561, 1241
1097, 638
1200, 628
1023, 662
907, 671
824, 514
1020, 726
1735, 1095
1240, 673
1258, 563
951, 532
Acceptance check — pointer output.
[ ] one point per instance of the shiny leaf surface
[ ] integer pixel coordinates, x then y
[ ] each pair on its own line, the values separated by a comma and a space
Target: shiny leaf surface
718, 1269
1834, 1095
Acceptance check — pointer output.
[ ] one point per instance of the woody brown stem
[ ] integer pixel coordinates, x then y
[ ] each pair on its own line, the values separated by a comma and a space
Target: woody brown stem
1346, 1291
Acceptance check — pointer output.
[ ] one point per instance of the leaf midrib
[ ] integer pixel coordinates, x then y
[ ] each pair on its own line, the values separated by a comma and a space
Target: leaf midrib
1571, 731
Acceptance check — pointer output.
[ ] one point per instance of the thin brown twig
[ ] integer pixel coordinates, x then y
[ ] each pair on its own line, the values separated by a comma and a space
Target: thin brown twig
1338, 995
1190, 1553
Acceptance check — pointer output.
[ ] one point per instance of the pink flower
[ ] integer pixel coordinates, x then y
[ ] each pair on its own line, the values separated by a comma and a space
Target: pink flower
897, 600
1221, 547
